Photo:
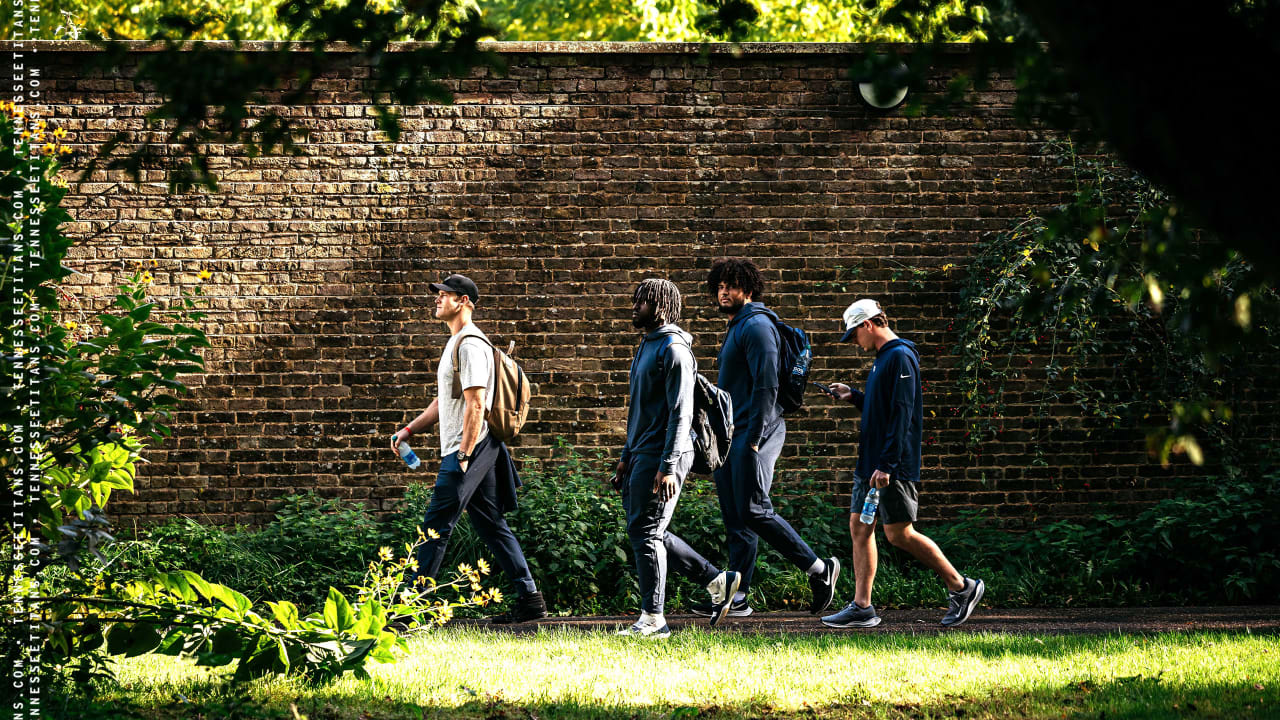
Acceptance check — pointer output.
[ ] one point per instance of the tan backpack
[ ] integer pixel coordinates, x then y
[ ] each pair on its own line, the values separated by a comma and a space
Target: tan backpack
511, 392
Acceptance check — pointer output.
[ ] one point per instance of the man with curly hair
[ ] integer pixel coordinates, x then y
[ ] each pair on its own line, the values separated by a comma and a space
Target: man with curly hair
748, 370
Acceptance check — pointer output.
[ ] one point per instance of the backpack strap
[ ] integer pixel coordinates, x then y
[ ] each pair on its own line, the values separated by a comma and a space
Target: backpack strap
672, 340
457, 378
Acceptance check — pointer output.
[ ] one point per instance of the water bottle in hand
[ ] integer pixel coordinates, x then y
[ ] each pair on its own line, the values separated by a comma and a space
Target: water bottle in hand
869, 506
408, 455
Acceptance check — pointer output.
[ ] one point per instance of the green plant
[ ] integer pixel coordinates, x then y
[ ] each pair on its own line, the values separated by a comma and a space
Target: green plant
1043, 305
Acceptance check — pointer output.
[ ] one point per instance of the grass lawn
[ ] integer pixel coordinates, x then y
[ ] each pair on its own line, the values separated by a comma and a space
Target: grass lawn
474, 673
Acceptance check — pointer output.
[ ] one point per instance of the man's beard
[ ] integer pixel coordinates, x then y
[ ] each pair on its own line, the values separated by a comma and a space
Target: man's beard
732, 308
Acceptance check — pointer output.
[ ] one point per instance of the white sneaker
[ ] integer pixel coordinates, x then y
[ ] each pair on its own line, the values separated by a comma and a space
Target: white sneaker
722, 589
645, 630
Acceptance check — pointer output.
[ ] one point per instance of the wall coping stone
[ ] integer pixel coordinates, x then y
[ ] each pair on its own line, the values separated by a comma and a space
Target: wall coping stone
543, 47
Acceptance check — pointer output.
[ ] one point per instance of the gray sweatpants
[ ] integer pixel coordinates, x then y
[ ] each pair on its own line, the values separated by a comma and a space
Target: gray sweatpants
656, 548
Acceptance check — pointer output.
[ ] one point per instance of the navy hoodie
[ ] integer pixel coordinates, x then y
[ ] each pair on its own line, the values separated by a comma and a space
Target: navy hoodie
660, 417
892, 413
748, 370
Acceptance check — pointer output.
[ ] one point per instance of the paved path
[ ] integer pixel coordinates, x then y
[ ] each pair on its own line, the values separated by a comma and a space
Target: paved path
1257, 619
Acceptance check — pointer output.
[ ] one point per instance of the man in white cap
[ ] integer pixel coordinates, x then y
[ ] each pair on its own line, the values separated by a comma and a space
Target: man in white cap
889, 459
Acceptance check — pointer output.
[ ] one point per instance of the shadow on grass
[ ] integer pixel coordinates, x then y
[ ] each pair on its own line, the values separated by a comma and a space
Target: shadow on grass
1138, 697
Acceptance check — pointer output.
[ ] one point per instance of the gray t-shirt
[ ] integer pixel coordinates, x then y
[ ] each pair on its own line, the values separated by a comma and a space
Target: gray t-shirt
476, 359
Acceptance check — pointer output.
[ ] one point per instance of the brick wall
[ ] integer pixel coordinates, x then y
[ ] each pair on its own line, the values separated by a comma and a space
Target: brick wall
557, 187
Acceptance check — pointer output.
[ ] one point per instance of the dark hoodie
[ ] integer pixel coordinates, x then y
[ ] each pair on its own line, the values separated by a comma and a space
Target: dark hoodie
748, 370
892, 413
660, 418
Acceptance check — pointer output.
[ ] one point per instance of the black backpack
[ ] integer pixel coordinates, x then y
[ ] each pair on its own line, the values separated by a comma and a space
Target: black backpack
712, 423
795, 356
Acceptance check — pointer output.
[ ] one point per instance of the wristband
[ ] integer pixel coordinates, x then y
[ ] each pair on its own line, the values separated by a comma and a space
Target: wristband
407, 432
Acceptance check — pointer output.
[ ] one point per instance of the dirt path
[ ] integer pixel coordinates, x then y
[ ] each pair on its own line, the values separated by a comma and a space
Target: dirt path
1257, 619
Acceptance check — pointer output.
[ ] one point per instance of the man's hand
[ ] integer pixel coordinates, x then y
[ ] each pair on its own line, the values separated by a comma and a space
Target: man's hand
755, 449
879, 479
464, 465
664, 486
842, 391
396, 439
619, 476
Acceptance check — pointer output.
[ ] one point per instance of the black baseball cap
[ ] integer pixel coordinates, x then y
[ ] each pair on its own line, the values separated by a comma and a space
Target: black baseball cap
458, 284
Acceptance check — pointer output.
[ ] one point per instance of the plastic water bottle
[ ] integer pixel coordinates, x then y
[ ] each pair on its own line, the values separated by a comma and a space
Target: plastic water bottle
408, 455
869, 506
801, 369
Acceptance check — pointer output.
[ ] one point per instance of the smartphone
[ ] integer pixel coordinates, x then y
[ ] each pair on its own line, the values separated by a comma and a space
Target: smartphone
826, 389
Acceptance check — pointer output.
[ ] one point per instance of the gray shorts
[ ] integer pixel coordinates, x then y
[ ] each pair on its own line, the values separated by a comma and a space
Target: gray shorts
899, 500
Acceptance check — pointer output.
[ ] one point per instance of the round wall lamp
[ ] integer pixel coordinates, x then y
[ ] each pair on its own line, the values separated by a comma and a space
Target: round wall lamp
897, 91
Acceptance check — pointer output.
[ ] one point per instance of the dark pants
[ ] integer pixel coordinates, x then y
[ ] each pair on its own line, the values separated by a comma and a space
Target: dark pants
655, 548
743, 485
476, 492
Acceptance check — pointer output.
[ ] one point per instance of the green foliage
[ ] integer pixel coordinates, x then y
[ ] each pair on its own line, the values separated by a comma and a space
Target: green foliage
696, 21
1054, 298
310, 544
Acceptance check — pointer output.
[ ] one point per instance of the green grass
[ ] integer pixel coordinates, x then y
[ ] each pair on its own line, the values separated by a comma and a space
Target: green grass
474, 673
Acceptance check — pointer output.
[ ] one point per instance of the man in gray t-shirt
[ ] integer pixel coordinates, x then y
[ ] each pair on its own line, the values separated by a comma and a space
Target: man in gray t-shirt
476, 471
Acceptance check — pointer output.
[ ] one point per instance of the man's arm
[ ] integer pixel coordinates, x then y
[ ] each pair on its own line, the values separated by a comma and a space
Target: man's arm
422, 423
679, 388
472, 419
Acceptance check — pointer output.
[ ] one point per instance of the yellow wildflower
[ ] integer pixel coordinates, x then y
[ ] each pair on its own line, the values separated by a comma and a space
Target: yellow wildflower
205, 274
70, 325
483, 566
146, 278
384, 552
48, 148
431, 533
60, 132
64, 150
41, 125
495, 595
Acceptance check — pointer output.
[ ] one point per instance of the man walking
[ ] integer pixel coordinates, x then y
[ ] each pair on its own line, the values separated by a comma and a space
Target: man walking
748, 371
476, 471
657, 457
889, 459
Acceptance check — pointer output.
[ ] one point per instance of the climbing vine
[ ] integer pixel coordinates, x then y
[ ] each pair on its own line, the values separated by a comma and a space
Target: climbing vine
1070, 318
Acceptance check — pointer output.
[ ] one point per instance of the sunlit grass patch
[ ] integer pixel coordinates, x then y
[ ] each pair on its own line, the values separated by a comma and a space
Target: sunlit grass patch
473, 672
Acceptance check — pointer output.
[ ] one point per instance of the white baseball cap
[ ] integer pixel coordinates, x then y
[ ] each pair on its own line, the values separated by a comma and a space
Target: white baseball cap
858, 313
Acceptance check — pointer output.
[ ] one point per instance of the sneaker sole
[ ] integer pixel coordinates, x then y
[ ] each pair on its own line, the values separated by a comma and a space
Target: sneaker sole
730, 592
968, 609
860, 624
731, 613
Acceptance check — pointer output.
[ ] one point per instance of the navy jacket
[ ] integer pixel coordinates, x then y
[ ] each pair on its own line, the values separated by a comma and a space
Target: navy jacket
748, 371
660, 418
892, 413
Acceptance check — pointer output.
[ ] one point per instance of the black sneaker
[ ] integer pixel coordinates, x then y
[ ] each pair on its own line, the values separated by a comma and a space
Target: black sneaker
963, 602
853, 616
529, 606
823, 586
739, 608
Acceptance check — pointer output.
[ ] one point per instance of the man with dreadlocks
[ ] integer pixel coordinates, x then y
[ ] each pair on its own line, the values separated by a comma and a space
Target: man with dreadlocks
748, 371
657, 457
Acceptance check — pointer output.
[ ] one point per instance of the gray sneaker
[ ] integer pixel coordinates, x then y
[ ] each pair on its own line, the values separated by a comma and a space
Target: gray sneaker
646, 631
853, 616
963, 602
